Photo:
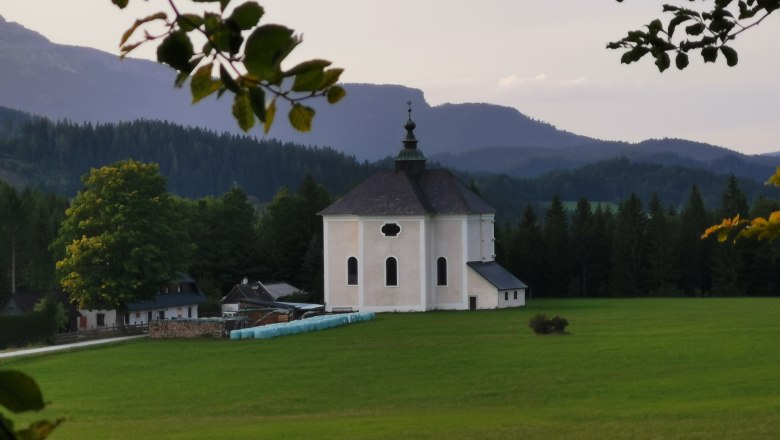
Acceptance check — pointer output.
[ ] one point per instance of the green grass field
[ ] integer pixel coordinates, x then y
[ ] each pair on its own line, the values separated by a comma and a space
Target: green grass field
634, 368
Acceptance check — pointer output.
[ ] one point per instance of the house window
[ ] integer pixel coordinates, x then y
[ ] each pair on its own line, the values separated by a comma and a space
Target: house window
148, 317
101, 319
352, 271
391, 229
515, 294
161, 314
441, 271
391, 272
189, 312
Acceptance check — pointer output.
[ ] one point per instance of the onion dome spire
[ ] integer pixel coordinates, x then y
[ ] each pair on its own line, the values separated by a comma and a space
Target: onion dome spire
410, 158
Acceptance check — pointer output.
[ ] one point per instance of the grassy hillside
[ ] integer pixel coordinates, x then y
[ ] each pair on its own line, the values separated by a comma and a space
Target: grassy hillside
649, 368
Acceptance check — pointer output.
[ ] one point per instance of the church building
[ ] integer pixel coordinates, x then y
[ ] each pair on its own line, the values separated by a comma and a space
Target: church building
413, 239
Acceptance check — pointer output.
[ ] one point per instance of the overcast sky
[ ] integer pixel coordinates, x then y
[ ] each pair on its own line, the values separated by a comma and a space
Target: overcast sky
545, 58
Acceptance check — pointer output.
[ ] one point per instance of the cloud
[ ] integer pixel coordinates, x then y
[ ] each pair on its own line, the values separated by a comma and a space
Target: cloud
514, 80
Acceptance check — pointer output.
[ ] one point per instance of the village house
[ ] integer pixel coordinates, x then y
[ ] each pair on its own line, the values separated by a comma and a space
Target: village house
178, 300
413, 239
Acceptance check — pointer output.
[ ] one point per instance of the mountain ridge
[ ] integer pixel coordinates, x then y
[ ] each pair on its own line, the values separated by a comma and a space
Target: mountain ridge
87, 85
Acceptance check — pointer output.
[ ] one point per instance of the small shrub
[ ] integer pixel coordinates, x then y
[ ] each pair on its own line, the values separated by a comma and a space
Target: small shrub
542, 325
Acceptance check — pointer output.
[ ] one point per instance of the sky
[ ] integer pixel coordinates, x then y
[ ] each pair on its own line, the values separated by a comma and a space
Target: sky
545, 58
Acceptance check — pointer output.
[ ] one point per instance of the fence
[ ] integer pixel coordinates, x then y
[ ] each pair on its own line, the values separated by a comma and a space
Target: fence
101, 333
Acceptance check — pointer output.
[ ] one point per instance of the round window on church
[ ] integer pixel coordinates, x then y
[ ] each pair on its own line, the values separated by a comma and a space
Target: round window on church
391, 229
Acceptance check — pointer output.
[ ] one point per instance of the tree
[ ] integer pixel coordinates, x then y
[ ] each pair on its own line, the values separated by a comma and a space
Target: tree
530, 251
556, 236
224, 231
629, 252
707, 32
661, 245
694, 260
121, 239
249, 66
583, 241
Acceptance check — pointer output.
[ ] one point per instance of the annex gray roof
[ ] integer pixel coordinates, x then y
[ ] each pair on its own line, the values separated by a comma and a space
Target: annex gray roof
395, 193
496, 275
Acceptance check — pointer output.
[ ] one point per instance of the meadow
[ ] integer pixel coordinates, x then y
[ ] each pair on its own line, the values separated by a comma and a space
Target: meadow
630, 369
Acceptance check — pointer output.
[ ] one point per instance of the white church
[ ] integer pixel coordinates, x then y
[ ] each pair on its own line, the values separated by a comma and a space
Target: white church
413, 239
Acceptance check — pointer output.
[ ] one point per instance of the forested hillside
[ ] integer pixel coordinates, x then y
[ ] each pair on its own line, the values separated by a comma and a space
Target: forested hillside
53, 157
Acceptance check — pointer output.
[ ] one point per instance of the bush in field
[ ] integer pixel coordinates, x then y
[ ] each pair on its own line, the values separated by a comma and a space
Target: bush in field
542, 325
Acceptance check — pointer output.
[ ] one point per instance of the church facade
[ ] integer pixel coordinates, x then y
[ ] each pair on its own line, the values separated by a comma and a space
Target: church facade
413, 239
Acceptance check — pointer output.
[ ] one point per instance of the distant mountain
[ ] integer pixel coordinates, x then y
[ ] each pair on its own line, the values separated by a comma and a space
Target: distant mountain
81, 84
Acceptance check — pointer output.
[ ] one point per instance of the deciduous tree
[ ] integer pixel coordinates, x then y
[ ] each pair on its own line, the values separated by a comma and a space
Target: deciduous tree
121, 239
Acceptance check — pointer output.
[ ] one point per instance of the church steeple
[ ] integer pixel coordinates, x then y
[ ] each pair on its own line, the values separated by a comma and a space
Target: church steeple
410, 159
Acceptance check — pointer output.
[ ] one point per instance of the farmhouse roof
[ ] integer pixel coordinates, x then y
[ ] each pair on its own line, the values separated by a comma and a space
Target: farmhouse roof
496, 275
164, 300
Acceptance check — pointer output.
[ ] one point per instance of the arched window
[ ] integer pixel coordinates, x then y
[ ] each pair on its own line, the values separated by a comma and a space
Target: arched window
352, 271
391, 272
441, 271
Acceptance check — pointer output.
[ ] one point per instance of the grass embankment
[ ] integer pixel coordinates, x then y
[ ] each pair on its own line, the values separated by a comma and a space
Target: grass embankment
654, 368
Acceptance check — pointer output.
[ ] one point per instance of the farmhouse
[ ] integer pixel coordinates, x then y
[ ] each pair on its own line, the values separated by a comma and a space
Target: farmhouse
413, 239
178, 300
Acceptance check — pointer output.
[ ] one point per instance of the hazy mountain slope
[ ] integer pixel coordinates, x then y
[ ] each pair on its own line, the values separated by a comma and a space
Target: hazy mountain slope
81, 84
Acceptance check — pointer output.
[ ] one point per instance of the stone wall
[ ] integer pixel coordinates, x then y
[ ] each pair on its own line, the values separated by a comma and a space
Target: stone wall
186, 328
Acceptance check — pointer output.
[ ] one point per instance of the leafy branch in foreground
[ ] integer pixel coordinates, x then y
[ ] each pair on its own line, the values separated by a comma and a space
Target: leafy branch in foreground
707, 32
20, 393
759, 228
250, 66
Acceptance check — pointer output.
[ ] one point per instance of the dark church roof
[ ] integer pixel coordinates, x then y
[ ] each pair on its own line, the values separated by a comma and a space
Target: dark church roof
410, 189
496, 275
400, 193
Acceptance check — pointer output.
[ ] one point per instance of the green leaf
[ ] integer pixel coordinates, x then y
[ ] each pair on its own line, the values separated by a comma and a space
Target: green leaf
223, 4
257, 99
189, 22
662, 61
139, 22
265, 49
247, 15
681, 60
731, 55
674, 22
335, 94
634, 54
228, 80
300, 117
308, 66
710, 54
202, 84
121, 3
331, 77
270, 113
242, 111
695, 29
176, 51
19, 392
